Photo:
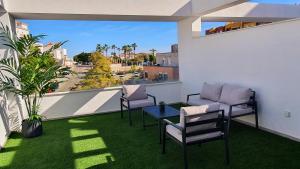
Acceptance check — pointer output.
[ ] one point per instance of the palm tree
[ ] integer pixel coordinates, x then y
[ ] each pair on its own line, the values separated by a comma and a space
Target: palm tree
113, 47
129, 50
152, 59
153, 51
134, 46
119, 51
105, 48
99, 48
125, 49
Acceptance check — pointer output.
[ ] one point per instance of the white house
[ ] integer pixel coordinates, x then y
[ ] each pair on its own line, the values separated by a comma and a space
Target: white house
21, 29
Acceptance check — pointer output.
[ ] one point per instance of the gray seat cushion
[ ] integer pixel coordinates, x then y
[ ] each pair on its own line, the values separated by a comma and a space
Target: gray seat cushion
236, 111
178, 135
211, 91
140, 103
232, 94
135, 92
196, 101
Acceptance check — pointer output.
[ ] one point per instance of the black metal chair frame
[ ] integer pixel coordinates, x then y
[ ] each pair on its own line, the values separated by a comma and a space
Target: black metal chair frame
252, 103
127, 106
221, 126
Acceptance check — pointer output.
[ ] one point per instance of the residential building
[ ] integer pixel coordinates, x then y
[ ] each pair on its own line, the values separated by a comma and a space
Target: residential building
60, 54
21, 29
166, 68
168, 59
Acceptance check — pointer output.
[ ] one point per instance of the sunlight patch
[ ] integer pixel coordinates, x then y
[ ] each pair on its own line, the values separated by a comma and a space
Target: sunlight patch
95, 161
6, 158
77, 121
85, 145
79, 133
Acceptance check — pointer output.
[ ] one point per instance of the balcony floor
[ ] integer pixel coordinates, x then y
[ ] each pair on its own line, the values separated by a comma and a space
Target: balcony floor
107, 141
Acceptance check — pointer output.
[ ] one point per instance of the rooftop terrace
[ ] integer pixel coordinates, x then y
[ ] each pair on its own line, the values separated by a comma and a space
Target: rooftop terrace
107, 141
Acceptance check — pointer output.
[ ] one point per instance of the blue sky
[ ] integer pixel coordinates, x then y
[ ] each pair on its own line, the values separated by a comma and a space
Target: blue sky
84, 35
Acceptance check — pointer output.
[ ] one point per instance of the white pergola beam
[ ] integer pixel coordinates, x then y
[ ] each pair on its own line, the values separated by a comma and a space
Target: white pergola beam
201, 7
254, 12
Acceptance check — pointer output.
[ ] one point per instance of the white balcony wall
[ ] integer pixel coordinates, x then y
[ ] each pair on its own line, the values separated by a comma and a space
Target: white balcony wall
9, 110
70, 104
265, 58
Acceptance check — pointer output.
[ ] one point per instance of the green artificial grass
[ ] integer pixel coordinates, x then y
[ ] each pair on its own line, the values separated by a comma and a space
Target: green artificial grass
107, 141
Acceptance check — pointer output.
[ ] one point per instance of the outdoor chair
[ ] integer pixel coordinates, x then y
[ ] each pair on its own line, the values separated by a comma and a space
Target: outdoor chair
198, 124
135, 97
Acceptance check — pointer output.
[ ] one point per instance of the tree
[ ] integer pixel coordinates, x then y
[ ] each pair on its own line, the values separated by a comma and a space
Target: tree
82, 57
153, 51
152, 59
134, 46
100, 75
129, 50
32, 77
125, 49
113, 47
105, 48
119, 50
99, 48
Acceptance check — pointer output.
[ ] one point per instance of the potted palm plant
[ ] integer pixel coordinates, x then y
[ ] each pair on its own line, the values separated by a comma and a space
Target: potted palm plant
29, 74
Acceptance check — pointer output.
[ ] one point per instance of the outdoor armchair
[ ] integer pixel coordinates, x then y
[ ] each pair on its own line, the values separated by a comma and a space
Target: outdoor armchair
198, 124
135, 97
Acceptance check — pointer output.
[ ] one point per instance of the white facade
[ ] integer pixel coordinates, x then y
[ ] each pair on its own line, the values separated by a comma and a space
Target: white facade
21, 29
60, 54
168, 59
264, 58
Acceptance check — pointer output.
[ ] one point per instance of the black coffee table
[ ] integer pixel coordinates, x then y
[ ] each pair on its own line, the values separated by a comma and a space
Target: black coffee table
155, 112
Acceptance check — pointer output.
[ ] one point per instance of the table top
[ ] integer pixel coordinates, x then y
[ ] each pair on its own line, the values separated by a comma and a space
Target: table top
155, 112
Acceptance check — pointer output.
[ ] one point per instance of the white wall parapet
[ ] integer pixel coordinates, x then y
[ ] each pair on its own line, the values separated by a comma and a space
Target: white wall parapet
78, 103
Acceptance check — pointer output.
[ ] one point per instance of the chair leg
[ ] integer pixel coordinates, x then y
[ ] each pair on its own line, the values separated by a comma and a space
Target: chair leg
121, 110
256, 119
226, 150
228, 125
164, 141
185, 156
130, 120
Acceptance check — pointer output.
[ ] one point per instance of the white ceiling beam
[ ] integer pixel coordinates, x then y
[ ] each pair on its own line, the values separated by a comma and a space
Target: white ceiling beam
201, 7
254, 12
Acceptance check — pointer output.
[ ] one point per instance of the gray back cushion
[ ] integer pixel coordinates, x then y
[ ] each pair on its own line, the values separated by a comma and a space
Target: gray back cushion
211, 91
135, 92
198, 113
233, 94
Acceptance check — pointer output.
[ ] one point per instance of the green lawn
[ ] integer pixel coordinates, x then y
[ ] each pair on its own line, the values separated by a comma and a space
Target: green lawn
107, 141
